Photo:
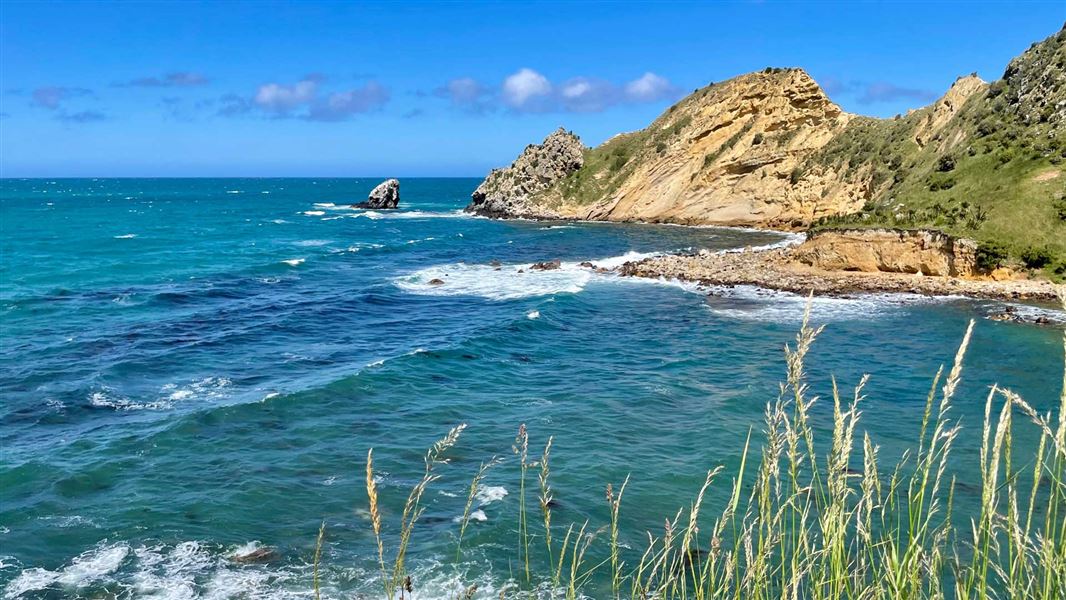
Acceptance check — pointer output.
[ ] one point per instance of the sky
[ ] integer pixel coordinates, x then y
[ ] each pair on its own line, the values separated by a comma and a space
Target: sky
319, 89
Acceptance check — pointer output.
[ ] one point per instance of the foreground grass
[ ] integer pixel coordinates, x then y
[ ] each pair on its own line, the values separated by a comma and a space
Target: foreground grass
806, 518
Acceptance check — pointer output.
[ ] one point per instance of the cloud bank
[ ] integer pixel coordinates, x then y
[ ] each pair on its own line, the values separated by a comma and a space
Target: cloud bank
305, 100
528, 91
172, 79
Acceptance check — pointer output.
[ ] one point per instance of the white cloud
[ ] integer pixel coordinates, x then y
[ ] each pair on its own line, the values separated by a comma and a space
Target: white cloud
524, 88
303, 100
582, 94
282, 98
463, 90
649, 88
527, 91
576, 88
341, 105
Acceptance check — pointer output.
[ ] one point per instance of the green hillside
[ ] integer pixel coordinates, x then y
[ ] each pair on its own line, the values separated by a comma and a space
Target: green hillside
995, 172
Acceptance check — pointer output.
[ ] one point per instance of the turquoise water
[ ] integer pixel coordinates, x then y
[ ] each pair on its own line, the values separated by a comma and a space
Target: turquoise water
191, 368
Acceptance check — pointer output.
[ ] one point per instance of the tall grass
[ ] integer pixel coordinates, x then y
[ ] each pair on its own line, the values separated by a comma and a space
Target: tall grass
812, 519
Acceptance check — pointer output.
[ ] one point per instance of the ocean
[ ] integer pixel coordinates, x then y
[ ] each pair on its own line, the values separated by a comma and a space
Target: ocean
194, 368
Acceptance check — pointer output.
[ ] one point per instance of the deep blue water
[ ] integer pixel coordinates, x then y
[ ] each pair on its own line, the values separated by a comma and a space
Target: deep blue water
190, 367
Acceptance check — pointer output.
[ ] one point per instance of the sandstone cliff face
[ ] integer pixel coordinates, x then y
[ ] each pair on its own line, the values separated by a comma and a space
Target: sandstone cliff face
889, 251
943, 110
729, 153
507, 192
732, 157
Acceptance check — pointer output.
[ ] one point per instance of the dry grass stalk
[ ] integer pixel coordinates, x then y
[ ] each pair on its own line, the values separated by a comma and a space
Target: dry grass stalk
812, 528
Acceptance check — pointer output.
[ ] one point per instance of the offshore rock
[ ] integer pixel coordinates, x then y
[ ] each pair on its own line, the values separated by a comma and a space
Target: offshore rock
385, 196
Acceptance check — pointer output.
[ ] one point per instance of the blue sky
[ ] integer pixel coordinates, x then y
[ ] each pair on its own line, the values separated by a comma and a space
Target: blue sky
437, 89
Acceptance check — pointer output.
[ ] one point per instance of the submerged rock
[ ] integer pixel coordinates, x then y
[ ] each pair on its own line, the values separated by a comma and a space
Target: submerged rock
385, 196
261, 554
436, 281
548, 265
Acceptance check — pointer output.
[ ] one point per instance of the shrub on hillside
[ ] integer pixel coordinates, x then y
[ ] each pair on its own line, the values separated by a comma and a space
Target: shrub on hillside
946, 163
1036, 257
991, 255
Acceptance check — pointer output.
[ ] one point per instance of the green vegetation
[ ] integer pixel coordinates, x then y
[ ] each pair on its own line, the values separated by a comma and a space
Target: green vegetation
994, 172
811, 512
606, 166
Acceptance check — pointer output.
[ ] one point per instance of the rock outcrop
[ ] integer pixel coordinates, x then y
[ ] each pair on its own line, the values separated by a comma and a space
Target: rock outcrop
777, 269
944, 110
1034, 84
889, 251
508, 192
729, 154
385, 196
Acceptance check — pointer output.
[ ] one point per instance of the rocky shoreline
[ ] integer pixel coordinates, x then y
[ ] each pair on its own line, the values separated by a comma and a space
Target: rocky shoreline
778, 269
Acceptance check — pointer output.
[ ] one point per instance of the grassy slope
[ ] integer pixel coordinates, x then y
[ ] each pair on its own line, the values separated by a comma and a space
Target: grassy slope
609, 164
980, 176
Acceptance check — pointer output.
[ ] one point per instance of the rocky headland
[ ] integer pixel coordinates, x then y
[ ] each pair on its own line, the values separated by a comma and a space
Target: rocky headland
984, 164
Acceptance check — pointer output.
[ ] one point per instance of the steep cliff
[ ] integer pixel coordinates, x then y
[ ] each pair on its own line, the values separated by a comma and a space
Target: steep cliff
725, 154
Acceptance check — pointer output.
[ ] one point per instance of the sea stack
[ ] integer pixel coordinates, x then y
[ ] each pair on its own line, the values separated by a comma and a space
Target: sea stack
385, 195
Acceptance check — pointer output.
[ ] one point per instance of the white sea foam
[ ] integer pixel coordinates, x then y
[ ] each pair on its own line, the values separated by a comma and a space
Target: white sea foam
246, 548
208, 388
475, 515
108, 398
487, 494
790, 239
503, 283
408, 214
533, 314
126, 236
84, 569
759, 304
314, 213
292, 262
1029, 312
234, 191
311, 243
508, 282
64, 521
